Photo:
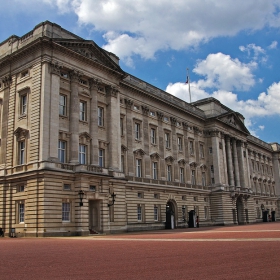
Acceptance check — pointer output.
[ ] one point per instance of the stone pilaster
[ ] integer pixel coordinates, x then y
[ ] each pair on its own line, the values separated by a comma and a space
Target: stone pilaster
216, 156
113, 131
242, 164
94, 145
129, 136
235, 163
74, 117
54, 111
146, 140
229, 161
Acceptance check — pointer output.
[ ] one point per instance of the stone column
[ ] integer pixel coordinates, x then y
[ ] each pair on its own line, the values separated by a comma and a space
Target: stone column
174, 146
161, 146
4, 133
129, 137
146, 141
93, 122
229, 161
242, 164
54, 112
235, 162
113, 131
216, 156
74, 117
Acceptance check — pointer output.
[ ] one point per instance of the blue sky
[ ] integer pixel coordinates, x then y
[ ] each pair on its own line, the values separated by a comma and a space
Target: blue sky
230, 47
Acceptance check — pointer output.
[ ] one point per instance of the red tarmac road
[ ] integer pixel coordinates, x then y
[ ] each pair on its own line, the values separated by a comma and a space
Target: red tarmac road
237, 252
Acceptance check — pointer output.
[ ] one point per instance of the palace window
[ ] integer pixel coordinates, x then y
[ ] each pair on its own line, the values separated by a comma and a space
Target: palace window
100, 116
21, 213
153, 136
167, 140
62, 151
182, 174
156, 213
201, 151
203, 179
139, 213
155, 170
82, 154
21, 152
137, 130
101, 157
83, 107
191, 148
62, 105
193, 179
23, 104
138, 167
180, 143
66, 212
169, 173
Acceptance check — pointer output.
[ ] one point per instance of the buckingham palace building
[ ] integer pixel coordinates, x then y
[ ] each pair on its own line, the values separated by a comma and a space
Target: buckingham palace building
87, 148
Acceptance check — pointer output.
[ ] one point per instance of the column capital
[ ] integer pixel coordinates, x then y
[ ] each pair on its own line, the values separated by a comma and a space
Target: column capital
111, 91
75, 76
128, 103
6, 80
55, 68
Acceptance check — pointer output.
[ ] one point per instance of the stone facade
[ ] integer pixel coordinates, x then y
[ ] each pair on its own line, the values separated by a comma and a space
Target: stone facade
72, 121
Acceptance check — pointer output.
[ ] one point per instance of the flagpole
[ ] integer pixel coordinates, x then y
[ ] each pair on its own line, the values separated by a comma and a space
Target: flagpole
189, 82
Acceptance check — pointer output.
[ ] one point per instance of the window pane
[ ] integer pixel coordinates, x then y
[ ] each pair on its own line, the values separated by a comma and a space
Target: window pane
66, 212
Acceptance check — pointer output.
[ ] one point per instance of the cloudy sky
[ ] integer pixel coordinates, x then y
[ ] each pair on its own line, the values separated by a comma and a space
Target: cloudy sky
230, 47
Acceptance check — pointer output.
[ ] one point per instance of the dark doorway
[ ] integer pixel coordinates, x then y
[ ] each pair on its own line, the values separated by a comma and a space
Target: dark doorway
240, 211
273, 219
170, 215
192, 219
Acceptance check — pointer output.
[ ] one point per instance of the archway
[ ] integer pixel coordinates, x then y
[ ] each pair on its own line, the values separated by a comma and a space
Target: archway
240, 210
171, 215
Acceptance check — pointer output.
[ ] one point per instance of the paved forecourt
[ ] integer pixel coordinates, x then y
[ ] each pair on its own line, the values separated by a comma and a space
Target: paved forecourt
243, 252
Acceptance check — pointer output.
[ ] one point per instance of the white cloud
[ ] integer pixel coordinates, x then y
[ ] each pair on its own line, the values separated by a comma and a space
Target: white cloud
148, 26
256, 50
273, 45
223, 72
261, 127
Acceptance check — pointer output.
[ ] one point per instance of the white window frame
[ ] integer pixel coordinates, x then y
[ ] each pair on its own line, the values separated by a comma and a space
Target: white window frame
139, 213
153, 136
100, 111
137, 128
182, 174
82, 154
193, 177
21, 152
62, 151
180, 143
155, 170
66, 211
201, 150
23, 104
156, 216
21, 210
169, 172
167, 140
101, 157
191, 148
203, 179
62, 105
83, 110
138, 163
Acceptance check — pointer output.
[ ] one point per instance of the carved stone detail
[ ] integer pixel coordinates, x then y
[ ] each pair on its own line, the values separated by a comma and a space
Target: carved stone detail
128, 103
75, 75
173, 121
155, 156
160, 116
56, 68
139, 153
7, 80
169, 160
111, 91
145, 110
21, 133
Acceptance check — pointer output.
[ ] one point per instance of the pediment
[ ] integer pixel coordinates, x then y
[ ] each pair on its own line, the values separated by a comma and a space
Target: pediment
91, 51
155, 156
233, 120
139, 152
